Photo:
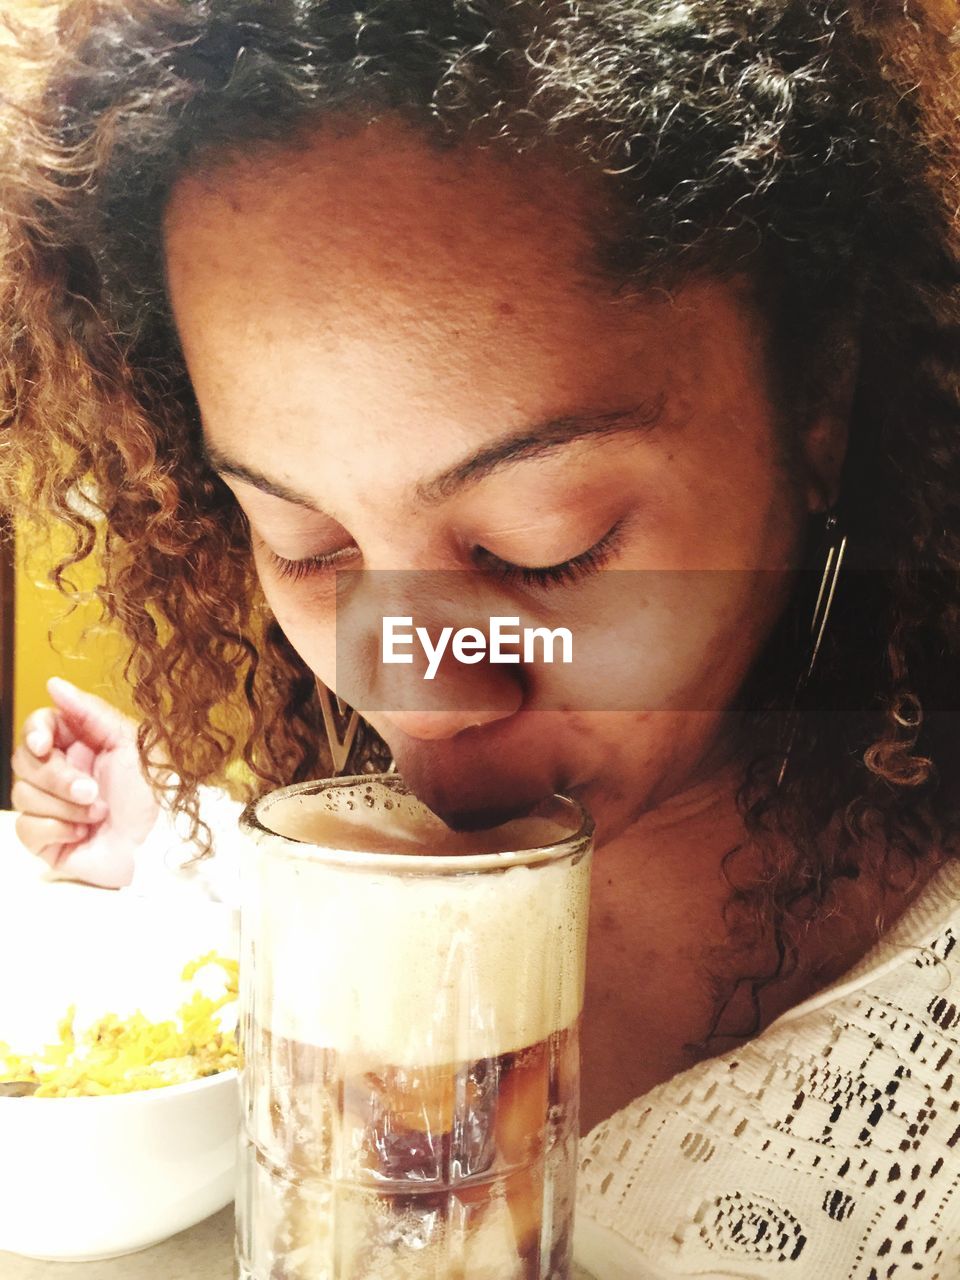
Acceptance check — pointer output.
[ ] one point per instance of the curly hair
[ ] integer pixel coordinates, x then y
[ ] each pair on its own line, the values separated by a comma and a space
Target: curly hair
815, 143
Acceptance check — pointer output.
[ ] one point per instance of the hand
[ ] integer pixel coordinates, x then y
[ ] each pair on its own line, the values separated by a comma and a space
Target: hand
84, 804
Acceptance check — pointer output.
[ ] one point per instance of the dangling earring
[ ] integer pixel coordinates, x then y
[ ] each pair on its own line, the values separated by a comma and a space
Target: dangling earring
836, 547
342, 724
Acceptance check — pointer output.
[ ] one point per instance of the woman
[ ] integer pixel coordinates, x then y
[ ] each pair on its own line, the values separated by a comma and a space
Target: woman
641, 318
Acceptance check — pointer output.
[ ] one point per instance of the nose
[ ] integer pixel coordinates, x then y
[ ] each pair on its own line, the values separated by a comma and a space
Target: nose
399, 661
432, 726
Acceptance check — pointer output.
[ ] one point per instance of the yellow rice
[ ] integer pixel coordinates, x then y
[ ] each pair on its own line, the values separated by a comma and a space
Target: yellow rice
121, 1055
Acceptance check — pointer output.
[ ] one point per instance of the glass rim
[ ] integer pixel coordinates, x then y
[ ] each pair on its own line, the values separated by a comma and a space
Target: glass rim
253, 825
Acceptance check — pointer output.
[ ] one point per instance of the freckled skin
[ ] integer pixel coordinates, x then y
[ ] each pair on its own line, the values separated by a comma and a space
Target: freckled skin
362, 312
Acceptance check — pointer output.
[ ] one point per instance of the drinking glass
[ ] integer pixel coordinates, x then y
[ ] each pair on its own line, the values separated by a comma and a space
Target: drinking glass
410, 1010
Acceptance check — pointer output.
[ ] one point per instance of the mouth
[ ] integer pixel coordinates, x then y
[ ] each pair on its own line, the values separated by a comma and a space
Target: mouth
480, 819
472, 790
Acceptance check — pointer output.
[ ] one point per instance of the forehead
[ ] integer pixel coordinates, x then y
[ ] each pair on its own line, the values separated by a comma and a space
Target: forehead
364, 276
389, 274
380, 202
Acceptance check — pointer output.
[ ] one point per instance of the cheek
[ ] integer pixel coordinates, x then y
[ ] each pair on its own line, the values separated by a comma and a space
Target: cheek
701, 631
628, 763
663, 640
725, 499
715, 624
308, 626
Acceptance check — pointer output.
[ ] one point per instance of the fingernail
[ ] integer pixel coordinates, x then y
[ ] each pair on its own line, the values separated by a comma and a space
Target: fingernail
37, 742
97, 811
84, 790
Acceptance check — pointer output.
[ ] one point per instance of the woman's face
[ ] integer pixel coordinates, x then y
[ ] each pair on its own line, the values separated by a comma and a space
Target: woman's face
406, 360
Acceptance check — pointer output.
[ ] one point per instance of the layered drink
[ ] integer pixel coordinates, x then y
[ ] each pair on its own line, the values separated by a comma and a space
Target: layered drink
411, 1003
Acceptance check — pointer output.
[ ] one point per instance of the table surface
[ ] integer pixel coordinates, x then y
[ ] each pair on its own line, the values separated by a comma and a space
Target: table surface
205, 1252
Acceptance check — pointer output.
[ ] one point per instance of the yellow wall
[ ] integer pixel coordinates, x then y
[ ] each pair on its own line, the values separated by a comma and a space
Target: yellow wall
45, 643
49, 643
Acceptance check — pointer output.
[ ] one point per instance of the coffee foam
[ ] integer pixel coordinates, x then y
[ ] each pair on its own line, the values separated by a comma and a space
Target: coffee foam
372, 818
422, 968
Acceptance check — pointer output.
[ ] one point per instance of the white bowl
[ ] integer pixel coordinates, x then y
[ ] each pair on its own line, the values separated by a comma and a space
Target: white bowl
85, 1178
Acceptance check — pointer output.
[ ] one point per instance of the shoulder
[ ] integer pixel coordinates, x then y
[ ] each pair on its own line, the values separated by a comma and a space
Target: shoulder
832, 1138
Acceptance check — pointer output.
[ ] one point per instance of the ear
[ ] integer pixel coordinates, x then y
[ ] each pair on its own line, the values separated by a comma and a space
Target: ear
824, 448
824, 439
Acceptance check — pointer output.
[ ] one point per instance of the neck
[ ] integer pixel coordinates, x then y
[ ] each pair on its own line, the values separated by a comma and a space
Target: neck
690, 833
656, 911
663, 956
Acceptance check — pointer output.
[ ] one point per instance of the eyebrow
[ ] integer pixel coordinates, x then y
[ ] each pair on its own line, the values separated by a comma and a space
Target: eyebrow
529, 443
224, 465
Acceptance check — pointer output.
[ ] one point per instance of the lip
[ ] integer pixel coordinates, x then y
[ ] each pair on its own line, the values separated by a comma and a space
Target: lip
468, 785
467, 819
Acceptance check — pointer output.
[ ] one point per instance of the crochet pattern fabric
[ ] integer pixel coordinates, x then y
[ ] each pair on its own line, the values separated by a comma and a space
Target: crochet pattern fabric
828, 1148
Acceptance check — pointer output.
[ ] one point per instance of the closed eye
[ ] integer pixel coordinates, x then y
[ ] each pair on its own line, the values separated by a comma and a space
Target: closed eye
296, 570
554, 575
592, 560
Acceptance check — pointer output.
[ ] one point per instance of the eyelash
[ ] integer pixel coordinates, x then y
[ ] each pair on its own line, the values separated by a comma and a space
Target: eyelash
297, 570
580, 566
555, 575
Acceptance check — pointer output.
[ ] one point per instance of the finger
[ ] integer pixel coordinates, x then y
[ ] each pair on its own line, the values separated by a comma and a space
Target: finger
55, 775
48, 838
93, 719
46, 729
41, 804
81, 757
39, 732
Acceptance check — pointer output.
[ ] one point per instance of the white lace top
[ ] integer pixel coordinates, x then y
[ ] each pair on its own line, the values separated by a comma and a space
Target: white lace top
828, 1148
